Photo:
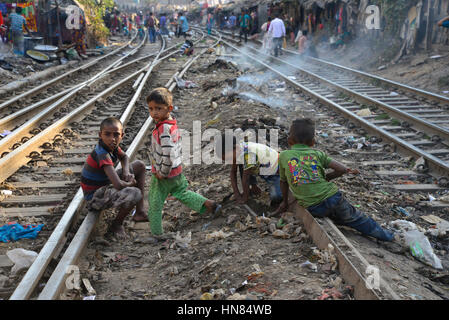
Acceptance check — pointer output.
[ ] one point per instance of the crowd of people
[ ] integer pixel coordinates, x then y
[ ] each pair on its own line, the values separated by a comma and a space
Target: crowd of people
122, 23
276, 32
14, 25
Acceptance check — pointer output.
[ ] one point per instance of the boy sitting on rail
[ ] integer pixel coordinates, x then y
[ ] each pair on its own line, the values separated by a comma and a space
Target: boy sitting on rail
186, 48
165, 156
303, 170
128, 183
258, 160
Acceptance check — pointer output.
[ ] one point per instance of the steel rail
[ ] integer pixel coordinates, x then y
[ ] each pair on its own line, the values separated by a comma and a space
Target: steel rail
7, 142
37, 269
66, 74
413, 90
55, 284
422, 124
427, 94
436, 163
8, 121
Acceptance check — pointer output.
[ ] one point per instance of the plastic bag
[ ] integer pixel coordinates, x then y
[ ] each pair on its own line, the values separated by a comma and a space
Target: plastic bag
417, 242
22, 259
421, 249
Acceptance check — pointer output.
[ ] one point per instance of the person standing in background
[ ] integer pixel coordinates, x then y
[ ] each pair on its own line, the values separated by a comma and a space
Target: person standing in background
277, 29
183, 25
18, 22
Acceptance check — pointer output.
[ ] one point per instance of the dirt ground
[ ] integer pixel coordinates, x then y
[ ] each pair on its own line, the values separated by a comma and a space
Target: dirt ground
237, 256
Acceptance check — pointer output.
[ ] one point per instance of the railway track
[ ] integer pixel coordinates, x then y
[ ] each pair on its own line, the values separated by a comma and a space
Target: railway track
412, 138
78, 137
392, 119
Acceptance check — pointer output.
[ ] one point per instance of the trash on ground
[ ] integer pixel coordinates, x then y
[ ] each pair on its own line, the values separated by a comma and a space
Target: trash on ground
22, 259
5, 133
185, 84
218, 235
333, 293
364, 112
183, 242
401, 211
15, 231
417, 242
310, 265
394, 94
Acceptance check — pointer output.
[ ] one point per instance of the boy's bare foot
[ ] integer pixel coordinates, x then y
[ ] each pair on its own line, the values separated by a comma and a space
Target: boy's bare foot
212, 206
140, 216
118, 231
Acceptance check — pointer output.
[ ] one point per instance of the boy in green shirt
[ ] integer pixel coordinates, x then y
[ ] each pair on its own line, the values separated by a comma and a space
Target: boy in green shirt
302, 169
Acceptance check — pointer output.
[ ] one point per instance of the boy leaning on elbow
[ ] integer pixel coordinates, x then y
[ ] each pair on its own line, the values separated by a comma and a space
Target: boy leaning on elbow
302, 170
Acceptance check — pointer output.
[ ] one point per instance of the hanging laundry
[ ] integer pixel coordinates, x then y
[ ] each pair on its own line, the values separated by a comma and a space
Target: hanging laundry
15, 231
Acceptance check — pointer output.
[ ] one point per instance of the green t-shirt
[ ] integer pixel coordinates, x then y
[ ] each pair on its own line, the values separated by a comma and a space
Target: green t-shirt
303, 168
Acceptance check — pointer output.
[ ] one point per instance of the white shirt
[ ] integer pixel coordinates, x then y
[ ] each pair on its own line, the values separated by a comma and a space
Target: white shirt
277, 28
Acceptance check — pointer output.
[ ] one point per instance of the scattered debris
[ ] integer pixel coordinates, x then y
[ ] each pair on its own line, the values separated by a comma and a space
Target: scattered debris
15, 231
218, 235
22, 259
418, 243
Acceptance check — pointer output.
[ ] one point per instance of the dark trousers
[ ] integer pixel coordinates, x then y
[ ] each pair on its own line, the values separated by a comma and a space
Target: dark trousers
277, 44
243, 31
342, 212
152, 34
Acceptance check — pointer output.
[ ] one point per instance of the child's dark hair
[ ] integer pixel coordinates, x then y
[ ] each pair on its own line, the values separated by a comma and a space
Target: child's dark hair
303, 130
161, 95
110, 121
220, 144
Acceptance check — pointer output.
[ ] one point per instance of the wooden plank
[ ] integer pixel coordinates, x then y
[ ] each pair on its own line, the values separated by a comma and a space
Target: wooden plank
379, 163
26, 211
434, 204
397, 173
415, 187
421, 142
405, 135
72, 160
78, 151
39, 184
439, 151
32, 199
56, 170
392, 128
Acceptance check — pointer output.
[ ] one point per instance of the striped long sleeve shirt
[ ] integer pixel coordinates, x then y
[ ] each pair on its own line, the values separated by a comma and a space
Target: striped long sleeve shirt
165, 150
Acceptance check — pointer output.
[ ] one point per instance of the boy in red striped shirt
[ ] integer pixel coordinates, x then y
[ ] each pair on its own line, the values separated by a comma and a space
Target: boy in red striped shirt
104, 187
165, 155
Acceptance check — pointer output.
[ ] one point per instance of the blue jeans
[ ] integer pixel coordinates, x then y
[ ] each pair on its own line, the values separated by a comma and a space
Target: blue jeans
274, 182
342, 212
152, 34
277, 43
